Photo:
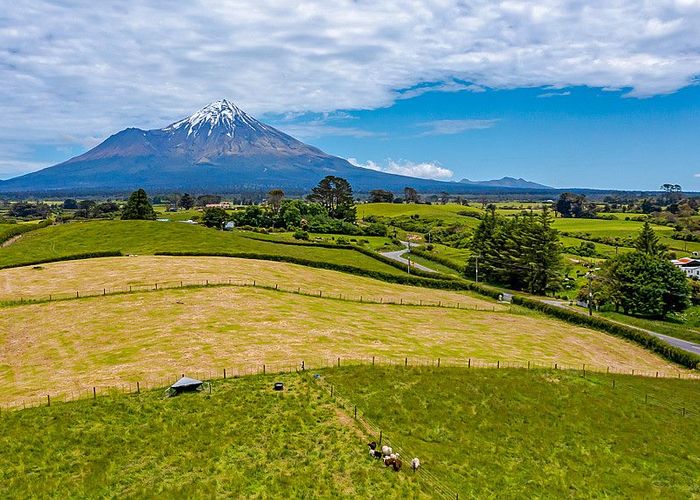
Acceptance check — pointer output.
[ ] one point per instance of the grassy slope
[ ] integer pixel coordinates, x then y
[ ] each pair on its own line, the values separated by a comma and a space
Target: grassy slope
92, 276
513, 433
483, 433
60, 347
147, 237
244, 440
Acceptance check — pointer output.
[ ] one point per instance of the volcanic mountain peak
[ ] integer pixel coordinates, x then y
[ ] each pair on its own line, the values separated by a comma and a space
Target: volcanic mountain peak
219, 114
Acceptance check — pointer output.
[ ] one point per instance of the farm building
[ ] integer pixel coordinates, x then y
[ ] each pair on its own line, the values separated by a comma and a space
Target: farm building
691, 267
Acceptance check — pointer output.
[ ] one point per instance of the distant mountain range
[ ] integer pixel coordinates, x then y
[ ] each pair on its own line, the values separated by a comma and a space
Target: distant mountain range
220, 149
508, 182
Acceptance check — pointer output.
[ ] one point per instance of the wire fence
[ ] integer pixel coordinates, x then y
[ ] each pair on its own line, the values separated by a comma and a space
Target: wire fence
80, 391
227, 282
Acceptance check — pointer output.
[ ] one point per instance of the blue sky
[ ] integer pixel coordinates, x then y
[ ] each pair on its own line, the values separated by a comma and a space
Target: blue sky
563, 92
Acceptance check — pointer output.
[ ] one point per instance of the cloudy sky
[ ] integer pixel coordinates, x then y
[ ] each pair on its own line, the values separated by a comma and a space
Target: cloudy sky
567, 93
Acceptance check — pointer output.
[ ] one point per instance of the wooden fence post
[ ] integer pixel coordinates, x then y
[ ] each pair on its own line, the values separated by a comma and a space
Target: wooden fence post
138, 387
438, 362
469, 363
94, 393
224, 373
263, 369
380, 437
405, 363
372, 360
48, 400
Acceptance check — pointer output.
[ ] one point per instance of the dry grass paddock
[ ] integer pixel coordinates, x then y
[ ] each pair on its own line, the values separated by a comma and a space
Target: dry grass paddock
72, 345
94, 275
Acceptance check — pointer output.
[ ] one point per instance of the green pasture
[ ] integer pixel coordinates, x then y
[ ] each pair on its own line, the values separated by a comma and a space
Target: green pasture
148, 237
242, 441
537, 434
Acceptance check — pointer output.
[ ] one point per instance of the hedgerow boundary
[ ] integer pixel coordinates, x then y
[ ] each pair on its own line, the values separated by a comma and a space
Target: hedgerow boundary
633, 334
19, 229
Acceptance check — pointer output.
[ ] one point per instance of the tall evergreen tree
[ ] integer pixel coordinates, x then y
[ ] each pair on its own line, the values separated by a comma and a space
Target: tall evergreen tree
138, 207
648, 242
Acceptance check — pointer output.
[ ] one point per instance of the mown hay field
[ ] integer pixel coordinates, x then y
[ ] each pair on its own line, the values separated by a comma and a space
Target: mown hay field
66, 347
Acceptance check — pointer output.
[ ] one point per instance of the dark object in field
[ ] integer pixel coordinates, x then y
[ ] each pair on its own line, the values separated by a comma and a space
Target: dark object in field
279, 386
185, 384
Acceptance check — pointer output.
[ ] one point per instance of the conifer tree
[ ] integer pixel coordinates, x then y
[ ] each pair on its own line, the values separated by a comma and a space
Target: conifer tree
138, 207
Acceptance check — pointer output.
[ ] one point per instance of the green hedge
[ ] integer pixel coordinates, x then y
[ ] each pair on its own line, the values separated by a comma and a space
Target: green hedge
439, 259
365, 251
21, 229
408, 279
80, 256
646, 340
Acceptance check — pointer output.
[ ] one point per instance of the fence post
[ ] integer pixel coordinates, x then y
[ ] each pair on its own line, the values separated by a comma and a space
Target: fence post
438, 362
498, 363
356, 412
104, 291
555, 366
372, 360
338, 361
302, 365
48, 400
405, 363
138, 387
469, 363
528, 365
263, 369
584, 369
77, 295
613, 383
380, 437
657, 374
94, 393
224, 373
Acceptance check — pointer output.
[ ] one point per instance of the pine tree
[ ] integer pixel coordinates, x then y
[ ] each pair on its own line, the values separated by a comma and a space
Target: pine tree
138, 207
647, 242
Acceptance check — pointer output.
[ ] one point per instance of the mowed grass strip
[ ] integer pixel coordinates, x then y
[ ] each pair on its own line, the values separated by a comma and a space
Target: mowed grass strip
243, 441
535, 434
93, 276
68, 347
149, 237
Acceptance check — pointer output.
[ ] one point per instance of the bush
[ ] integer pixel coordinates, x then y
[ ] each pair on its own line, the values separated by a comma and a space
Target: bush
375, 229
301, 235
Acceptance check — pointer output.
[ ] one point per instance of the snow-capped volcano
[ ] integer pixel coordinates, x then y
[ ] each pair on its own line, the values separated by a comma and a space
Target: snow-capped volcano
219, 114
219, 149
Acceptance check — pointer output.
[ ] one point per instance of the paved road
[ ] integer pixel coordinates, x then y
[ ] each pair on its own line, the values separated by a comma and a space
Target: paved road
680, 343
397, 256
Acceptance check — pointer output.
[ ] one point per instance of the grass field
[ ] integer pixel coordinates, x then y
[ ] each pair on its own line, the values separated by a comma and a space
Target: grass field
92, 276
148, 237
244, 440
482, 433
66, 346
450, 213
688, 330
533, 434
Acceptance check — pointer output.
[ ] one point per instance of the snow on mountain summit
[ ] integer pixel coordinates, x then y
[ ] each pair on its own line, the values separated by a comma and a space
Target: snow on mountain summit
221, 114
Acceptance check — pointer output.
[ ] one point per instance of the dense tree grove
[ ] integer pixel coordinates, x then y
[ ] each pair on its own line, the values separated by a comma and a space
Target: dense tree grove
26, 209
522, 252
644, 282
380, 196
138, 207
574, 205
186, 201
335, 195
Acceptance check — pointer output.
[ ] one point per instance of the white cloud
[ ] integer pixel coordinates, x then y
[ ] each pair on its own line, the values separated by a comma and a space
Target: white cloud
448, 127
422, 170
74, 68
554, 94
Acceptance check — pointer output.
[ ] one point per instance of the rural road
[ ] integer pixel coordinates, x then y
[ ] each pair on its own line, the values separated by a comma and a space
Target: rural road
680, 343
397, 256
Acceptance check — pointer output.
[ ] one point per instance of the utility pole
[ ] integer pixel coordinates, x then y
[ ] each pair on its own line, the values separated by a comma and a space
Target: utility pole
590, 294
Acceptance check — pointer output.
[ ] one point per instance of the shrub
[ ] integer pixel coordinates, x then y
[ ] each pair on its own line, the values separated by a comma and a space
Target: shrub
301, 235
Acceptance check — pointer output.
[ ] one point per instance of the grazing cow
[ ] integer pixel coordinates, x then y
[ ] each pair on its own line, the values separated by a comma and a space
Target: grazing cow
397, 464
415, 464
386, 450
373, 452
